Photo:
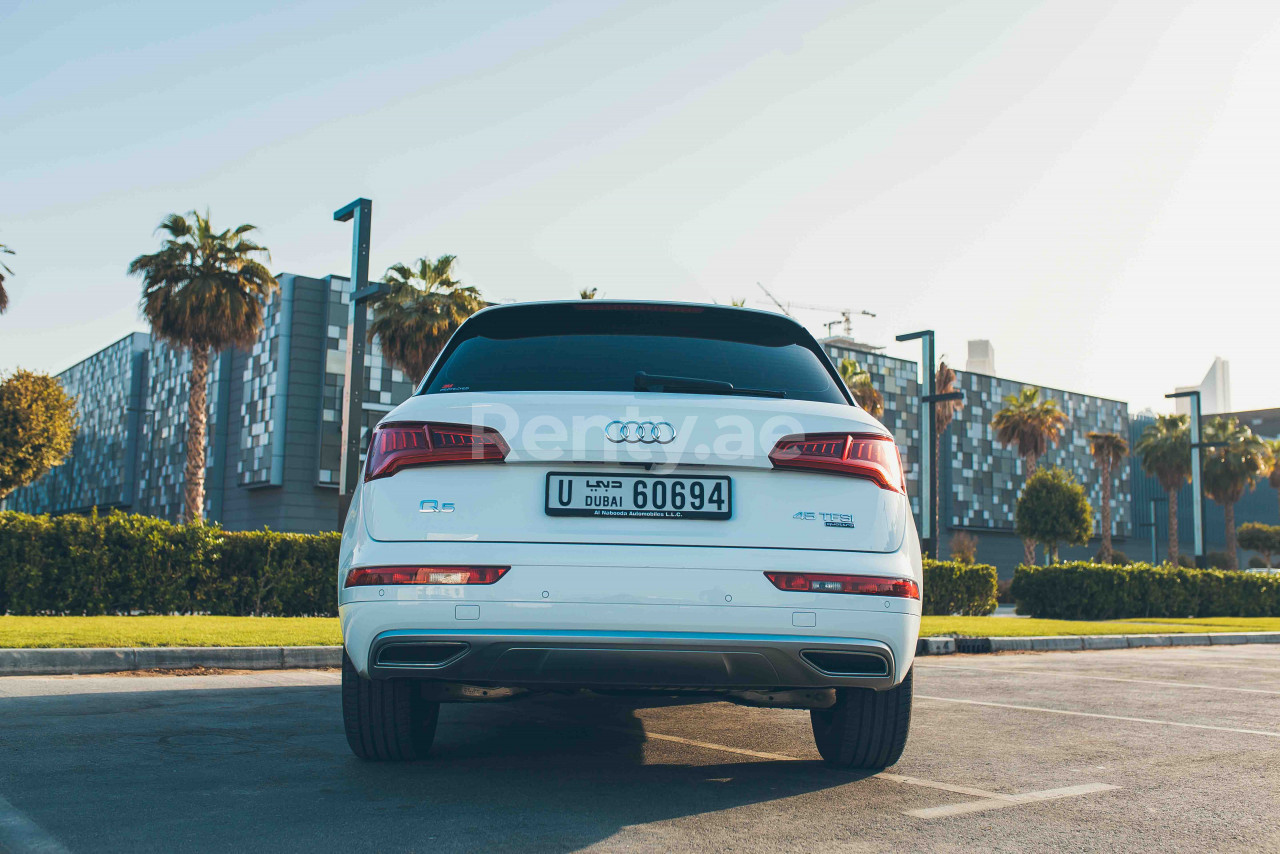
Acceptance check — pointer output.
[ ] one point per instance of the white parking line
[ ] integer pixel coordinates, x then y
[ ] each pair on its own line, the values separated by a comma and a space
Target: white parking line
706, 745
1098, 715
946, 787
989, 800
1031, 672
1003, 801
1217, 664
20, 835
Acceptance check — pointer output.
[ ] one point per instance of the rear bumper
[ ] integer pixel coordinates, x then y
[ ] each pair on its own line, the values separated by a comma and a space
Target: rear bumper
557, 645
632, 660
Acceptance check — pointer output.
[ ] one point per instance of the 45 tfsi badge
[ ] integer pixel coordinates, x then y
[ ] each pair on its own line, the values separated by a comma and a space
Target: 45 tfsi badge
830, 520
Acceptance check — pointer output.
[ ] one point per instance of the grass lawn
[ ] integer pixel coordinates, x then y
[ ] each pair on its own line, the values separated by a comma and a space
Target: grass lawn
323, 631
168, 631
1009, 627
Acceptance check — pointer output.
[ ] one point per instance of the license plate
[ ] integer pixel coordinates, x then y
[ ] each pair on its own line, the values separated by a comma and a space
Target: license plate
638, 496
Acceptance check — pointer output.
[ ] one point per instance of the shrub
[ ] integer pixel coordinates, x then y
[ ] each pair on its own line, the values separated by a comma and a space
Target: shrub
1004, 592
1256, 562
1217, 560
1264, 539
951, 587
1053, 509
964, 548
1092, 591
119, 564
1118, 558
37, 428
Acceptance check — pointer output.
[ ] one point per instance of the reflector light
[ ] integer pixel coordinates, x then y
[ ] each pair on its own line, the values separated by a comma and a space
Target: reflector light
377, 576
401, 445
866, 455
866, 585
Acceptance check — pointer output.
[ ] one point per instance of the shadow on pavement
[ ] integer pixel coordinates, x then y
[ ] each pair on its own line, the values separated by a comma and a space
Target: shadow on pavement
269, 767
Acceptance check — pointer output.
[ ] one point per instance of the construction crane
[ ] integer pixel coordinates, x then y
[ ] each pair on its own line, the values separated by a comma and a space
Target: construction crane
846, 314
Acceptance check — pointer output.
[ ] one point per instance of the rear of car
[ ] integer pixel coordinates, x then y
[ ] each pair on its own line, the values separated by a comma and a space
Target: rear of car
636, 497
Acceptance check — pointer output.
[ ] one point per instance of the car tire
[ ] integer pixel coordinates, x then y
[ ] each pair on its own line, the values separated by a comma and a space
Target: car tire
386, 719
865, 729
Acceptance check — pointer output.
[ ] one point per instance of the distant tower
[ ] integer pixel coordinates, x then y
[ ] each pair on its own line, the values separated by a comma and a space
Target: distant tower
982, 358
1215, 390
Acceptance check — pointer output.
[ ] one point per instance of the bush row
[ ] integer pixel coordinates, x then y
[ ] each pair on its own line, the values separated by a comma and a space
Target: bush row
121, 564
959, 588
1095, 591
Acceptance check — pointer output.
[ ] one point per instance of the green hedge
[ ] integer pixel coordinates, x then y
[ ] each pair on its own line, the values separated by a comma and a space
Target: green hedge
1094, 591
959, 588
120, 564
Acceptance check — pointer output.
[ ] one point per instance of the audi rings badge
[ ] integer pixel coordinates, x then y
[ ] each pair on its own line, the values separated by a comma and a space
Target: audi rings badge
640, 432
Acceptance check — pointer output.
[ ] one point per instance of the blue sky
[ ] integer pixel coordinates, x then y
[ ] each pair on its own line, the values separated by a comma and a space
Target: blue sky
1090, 185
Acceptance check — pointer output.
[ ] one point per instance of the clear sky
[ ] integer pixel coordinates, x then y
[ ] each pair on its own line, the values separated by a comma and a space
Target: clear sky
1093, 186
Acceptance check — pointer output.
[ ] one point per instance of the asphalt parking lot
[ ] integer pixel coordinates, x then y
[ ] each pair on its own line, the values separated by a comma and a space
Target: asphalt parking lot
1135, 750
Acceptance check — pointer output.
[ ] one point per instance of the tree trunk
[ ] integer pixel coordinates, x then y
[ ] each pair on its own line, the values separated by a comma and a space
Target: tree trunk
1106, 512
197, 413
1173, 526
1229, 511
1029, 546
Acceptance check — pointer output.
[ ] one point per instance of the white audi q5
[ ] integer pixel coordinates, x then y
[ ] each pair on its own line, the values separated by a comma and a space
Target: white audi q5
631, 497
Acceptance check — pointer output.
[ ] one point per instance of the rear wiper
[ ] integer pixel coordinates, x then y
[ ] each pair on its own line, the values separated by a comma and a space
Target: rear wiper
693, 385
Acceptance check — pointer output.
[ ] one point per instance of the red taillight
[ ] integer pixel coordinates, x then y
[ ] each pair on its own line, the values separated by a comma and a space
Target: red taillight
376, 576
400, 445
867, 585
865, 455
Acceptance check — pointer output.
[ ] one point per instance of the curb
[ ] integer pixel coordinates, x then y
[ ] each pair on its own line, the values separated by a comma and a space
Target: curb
951, 645
68, 662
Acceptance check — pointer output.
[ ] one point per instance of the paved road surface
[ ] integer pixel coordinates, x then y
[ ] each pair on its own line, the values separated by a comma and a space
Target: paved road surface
1133, 750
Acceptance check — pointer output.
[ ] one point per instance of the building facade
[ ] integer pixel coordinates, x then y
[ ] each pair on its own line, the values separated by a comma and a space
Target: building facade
109, 388
978, 478
273, 421
1215, 390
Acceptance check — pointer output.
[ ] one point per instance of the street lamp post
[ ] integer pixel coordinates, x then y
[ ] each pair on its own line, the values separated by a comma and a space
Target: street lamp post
1155, 556
929, 399
361, 210
1197, 480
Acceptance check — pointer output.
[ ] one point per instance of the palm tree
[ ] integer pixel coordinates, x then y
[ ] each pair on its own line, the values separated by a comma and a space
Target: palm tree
944, 411
4, 296
1165, 449
422, 309
861, 387
587, 293
1109, 451
1231, 469
203, 291
1030, 425
1273, 477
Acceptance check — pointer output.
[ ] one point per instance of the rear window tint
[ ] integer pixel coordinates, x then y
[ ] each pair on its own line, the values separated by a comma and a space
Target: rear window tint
572, 348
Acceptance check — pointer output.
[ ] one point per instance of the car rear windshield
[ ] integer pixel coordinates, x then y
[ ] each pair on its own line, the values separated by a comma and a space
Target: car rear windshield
602, 347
